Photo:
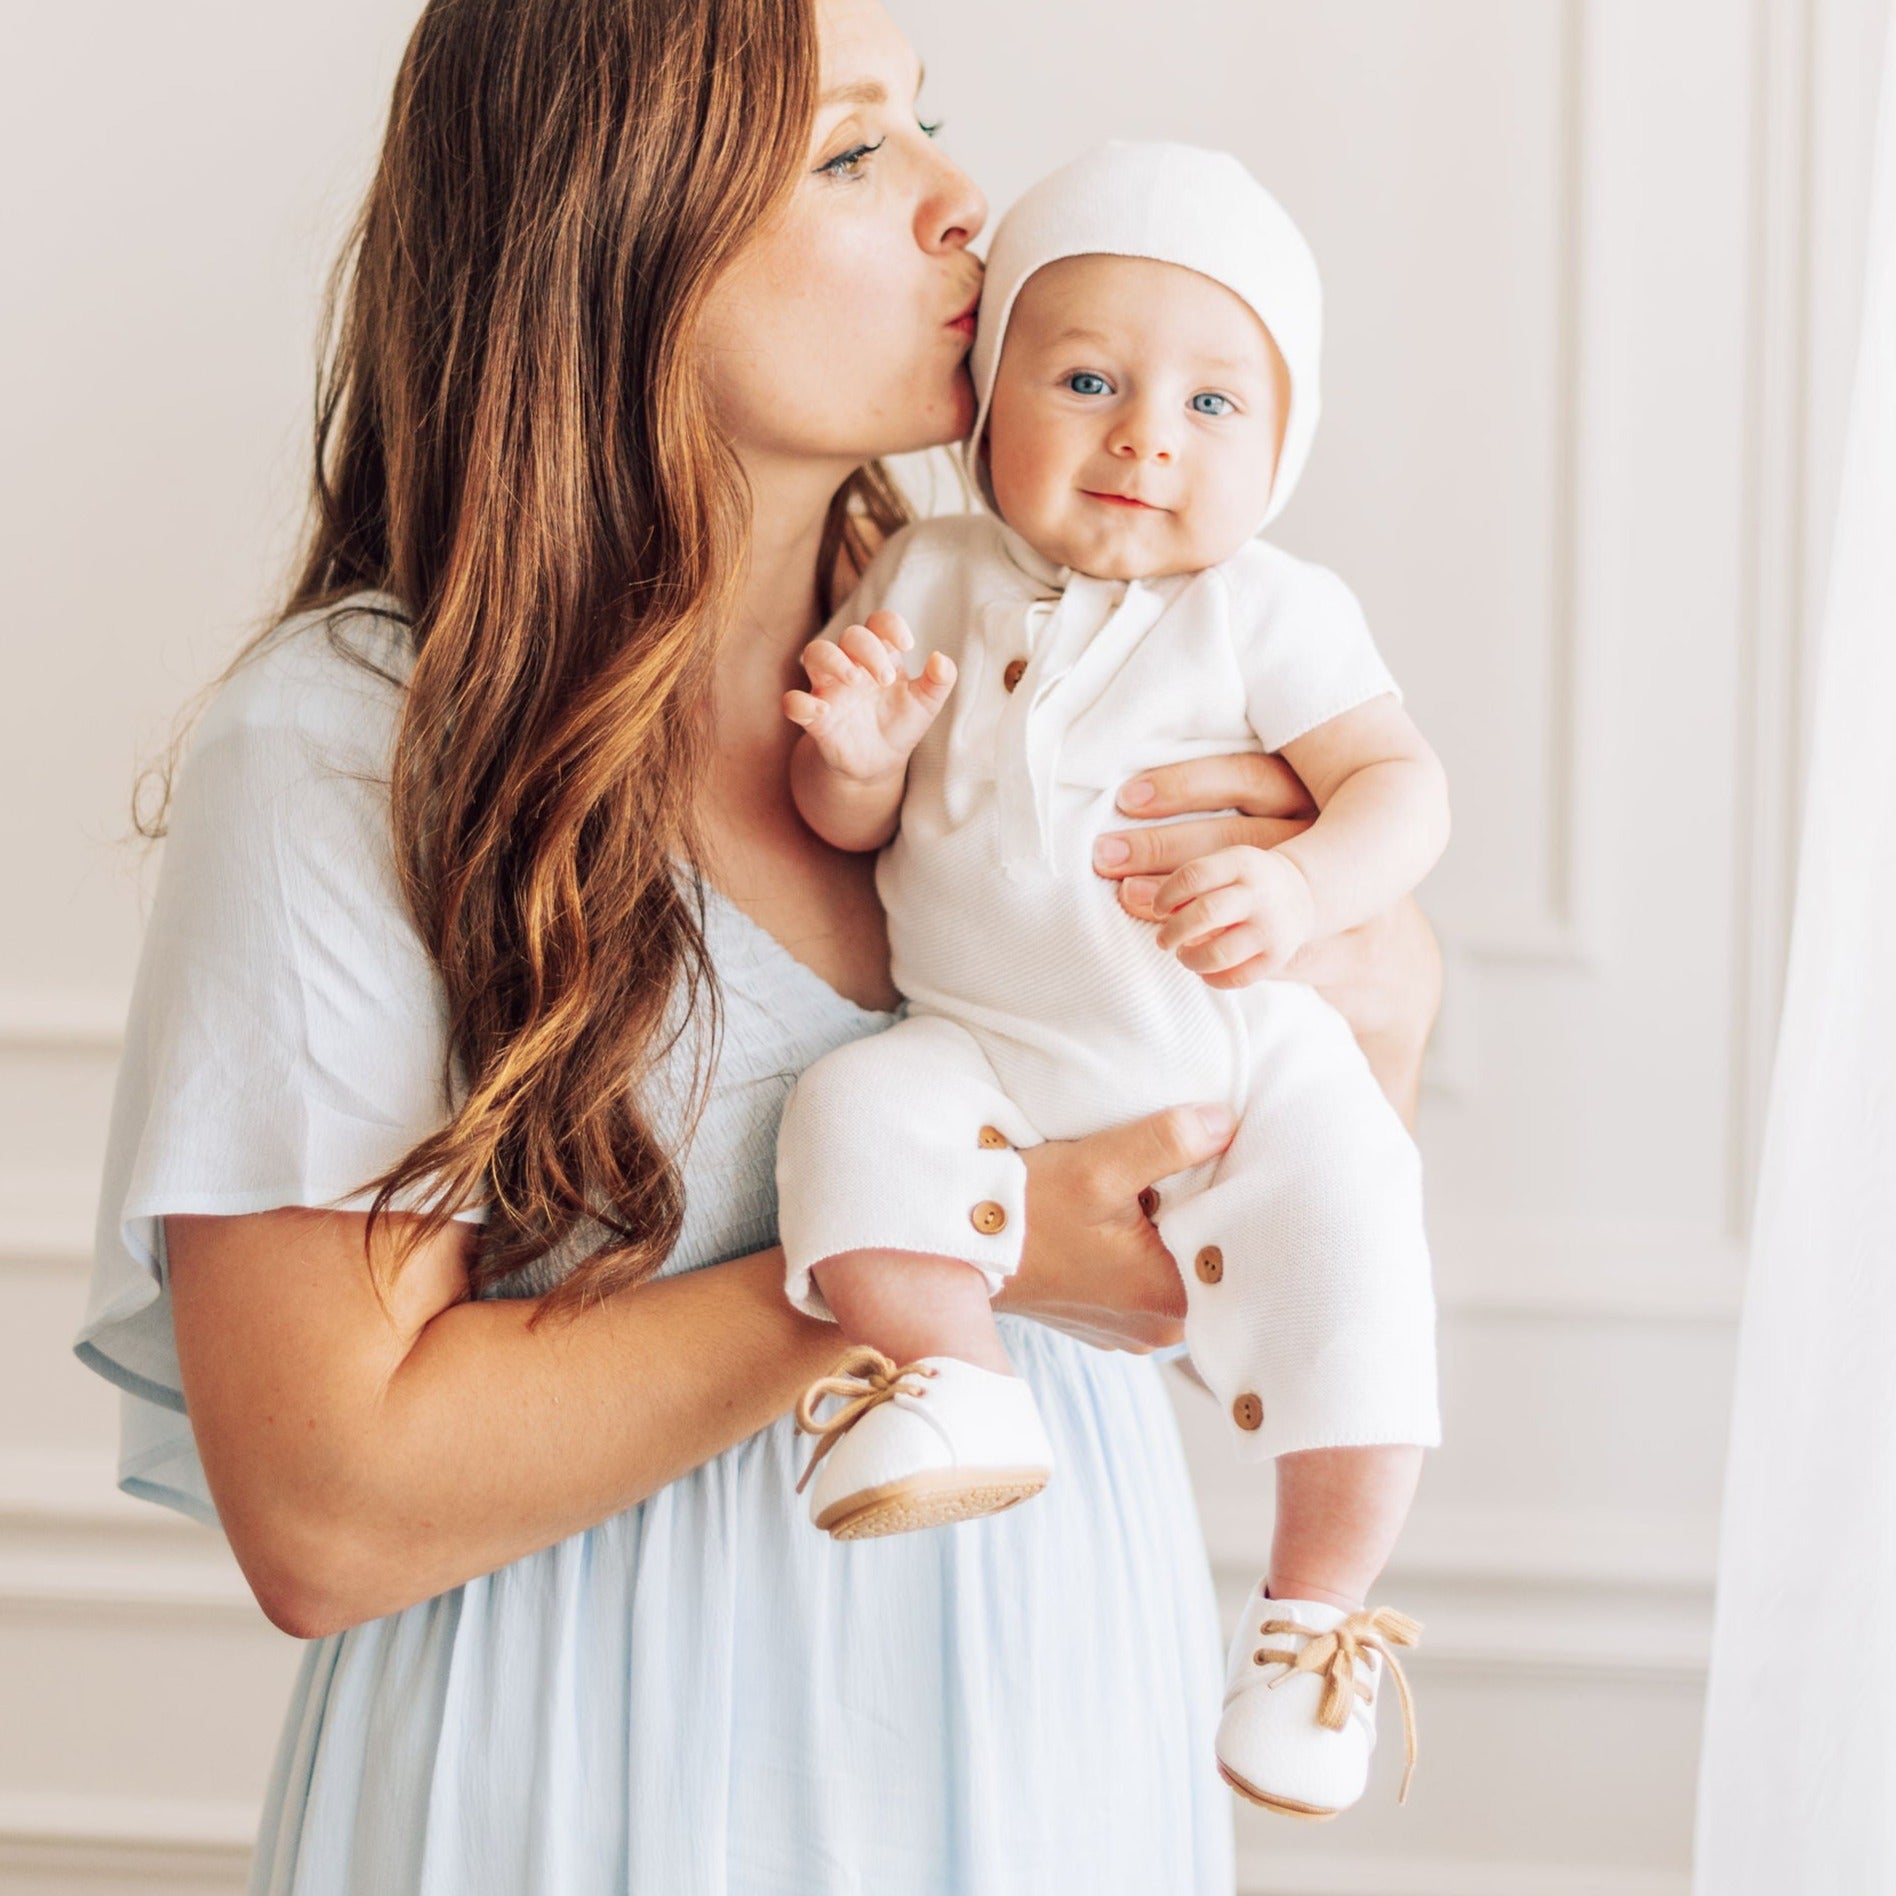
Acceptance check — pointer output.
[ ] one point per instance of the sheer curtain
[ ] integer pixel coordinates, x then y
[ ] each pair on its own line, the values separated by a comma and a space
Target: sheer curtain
1797, 1785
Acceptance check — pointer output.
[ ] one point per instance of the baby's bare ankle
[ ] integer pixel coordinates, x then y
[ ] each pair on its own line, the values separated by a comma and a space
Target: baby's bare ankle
908, 1305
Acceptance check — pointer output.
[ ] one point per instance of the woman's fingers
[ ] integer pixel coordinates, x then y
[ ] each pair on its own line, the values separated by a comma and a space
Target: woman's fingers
1248, 781
1158, 851
1126, 1159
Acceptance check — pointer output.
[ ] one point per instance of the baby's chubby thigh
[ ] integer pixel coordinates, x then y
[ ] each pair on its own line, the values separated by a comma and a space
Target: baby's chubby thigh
1309, 1306
903, 1140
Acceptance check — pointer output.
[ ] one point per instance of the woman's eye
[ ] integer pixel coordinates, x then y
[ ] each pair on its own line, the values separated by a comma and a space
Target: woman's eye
848, 164
1225, 399
1079, 376
852, 159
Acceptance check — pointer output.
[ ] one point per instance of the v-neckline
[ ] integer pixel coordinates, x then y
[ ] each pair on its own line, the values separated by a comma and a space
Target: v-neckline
745, 920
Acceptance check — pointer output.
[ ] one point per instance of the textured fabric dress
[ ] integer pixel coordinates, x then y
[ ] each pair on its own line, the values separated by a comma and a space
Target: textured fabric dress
700, 1696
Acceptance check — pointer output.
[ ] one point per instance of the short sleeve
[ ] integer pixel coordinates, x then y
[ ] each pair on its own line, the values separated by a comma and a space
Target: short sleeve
286, 1042
1302, 643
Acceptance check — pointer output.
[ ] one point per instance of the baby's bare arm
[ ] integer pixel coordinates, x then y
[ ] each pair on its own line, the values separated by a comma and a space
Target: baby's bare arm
1383, 820
847, 812
861, 718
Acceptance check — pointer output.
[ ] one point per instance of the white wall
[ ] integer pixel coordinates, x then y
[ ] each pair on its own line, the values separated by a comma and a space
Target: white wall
1591, 267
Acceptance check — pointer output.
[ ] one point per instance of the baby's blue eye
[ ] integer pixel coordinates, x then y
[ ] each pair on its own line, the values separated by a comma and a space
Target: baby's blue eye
1086, 375
1226, 399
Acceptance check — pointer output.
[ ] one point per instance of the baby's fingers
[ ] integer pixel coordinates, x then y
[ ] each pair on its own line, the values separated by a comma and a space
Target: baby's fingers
935, 680
801, 707
870, 653
828, 664
1204, 915
890, 626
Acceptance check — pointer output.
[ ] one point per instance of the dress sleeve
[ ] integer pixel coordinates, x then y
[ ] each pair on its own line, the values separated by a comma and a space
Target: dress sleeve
1303, 646
286, 1042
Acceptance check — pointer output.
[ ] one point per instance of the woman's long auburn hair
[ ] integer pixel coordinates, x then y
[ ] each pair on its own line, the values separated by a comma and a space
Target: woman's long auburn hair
512, 439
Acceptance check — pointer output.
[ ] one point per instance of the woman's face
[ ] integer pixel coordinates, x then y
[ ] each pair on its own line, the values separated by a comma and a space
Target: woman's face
842, 332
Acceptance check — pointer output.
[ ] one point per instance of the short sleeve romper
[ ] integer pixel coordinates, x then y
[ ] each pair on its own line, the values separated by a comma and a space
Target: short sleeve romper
698, 1696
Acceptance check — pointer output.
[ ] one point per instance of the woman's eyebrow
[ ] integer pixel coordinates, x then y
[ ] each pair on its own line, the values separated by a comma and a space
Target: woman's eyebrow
866, 91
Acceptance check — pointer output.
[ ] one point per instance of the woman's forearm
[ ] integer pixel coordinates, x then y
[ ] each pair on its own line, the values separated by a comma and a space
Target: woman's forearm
492, 1440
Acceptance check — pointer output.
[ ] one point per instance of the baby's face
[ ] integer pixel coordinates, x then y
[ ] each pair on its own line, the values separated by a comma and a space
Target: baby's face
1137, 416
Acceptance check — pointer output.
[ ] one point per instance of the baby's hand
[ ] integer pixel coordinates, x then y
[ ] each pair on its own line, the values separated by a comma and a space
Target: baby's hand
1241, 908
863, 712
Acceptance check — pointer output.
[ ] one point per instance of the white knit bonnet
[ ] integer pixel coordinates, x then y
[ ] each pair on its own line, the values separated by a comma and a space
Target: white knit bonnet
1175, 204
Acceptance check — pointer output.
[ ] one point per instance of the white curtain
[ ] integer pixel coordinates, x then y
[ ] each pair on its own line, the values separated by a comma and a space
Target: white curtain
1797, 1785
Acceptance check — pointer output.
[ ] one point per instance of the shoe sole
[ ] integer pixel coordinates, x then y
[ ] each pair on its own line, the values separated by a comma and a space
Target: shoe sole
1312, 1813
931, 1500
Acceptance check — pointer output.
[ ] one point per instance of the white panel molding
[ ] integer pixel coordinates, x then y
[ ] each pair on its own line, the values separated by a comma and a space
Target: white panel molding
48, 1220
1558, 930
155, 1842
63, 1020
71, 1543
1266, 1870
1558, 1269
1774, 632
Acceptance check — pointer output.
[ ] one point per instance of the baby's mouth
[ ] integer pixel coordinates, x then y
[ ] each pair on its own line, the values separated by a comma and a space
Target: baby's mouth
1121, 500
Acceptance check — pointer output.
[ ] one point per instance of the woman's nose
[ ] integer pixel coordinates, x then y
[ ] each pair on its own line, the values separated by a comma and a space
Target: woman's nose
953, 209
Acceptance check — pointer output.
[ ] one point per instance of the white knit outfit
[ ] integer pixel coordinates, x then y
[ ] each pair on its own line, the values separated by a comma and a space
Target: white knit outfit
1036, 1007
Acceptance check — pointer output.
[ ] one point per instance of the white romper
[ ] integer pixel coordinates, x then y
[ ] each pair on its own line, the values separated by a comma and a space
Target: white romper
1039, 1009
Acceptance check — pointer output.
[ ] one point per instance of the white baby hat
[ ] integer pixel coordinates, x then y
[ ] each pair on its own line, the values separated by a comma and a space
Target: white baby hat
1175, 204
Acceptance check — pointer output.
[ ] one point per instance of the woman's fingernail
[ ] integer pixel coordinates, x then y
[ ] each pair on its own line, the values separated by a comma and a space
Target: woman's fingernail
1140, 889
1109, 851
1217, 1120
1137, 793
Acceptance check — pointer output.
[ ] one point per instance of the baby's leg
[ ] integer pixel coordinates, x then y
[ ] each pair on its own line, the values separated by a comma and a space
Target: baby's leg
911, 1306
902, 1194
1339, 1511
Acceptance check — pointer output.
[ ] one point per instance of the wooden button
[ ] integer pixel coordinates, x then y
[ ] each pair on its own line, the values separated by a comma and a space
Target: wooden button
992, 1138
1149, 1202
1011, 676
988, 1216
1210, 1266
1248, 1412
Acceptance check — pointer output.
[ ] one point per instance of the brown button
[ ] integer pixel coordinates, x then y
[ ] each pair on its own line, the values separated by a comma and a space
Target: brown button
1149, 1202
1011, 676
988, 1216
992, 1138
1209, 1264
1248, 1412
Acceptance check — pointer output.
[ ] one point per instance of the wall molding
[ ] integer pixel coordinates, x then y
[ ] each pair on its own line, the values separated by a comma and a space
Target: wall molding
63, 1020
1266, 1870
154, 1842
1558, 1269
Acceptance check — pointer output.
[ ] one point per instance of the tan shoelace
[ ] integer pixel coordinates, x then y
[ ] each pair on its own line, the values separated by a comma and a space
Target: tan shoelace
860, 1394
1336, 1654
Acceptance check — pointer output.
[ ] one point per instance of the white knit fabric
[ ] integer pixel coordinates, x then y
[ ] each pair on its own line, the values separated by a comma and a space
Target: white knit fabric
1177, 204
1039, 1008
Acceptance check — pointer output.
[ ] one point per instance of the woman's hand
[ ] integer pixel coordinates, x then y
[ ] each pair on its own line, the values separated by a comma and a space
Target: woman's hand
1093, 1264
1384, 978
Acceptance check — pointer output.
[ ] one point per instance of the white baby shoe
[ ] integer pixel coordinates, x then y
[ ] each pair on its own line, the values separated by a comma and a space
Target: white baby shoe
937, 1440
1299, 1719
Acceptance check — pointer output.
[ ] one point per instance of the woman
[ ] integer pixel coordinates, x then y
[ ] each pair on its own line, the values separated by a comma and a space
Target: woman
498, 820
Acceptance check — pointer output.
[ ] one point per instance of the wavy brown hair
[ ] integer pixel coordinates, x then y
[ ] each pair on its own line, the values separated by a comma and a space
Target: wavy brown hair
512, 439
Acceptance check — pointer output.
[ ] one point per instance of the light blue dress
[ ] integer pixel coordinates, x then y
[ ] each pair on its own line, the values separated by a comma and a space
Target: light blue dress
702, 1696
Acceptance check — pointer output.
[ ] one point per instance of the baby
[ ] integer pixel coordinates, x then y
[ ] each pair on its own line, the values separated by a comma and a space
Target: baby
1146, 377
